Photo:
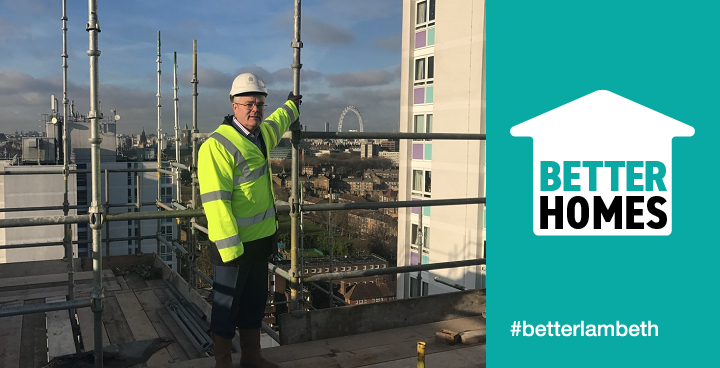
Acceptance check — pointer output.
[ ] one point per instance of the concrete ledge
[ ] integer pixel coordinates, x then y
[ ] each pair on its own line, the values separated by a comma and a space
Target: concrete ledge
351, 320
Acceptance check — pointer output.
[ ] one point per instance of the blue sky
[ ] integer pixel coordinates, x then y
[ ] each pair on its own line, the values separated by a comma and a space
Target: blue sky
351, 56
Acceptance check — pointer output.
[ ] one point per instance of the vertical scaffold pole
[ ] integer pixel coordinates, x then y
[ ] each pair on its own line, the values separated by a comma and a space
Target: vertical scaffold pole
193, 168
296, 129
159, 139
107, 210
177, 129
96, 209
67, 230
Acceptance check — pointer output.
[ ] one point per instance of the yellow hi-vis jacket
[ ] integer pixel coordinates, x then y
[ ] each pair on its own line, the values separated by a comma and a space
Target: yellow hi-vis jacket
236, 186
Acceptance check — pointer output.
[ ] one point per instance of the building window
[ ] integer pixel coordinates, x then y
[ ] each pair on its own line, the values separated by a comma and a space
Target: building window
423, 124
166, 195
424, 70
414, 234
421, 183
425, 13
428, 124
414, 288
427, 181
419, 126
426, 237
417, 180
423, 91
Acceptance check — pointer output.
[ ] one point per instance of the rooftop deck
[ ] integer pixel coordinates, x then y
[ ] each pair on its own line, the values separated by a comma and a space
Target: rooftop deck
370, 335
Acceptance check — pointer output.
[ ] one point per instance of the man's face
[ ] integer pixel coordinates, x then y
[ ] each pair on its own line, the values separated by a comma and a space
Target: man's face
248, 110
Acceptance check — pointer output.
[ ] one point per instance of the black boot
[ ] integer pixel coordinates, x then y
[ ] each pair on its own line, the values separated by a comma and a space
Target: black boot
223, 351
251, 356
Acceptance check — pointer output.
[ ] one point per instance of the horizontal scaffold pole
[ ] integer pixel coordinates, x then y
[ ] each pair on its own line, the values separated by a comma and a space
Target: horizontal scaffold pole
55, 243
391, 270
398, 204
153, 215
48, 307
74, 219
44, 221
83, 171
389, 135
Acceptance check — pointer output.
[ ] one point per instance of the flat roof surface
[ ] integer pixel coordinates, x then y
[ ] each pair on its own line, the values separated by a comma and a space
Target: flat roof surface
392, 348
134, 311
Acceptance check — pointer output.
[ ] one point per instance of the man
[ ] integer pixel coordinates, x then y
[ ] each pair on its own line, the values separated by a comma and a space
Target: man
237, 195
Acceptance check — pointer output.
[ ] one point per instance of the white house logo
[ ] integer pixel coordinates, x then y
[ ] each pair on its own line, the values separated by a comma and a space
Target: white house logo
602, 165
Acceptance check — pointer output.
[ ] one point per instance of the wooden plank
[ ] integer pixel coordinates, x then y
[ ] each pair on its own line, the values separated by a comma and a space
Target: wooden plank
59, 331
134, 281
33, 340
32, 268
52, 291
156, 283
473, 337
49, 279
117, 328
123, 283
152, 306
87, 329
10, 330
140, 325
23, 294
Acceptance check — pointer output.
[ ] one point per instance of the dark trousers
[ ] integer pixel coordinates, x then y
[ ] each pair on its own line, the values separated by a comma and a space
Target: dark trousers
239, 297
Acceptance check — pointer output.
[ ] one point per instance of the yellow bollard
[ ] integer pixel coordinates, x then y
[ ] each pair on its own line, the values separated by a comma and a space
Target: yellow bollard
420, 354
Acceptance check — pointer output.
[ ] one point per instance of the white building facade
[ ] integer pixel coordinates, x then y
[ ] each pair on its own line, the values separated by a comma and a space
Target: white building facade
442, 91
120, 191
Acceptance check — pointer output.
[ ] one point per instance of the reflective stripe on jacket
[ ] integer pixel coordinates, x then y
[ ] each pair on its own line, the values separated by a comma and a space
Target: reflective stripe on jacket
235, 183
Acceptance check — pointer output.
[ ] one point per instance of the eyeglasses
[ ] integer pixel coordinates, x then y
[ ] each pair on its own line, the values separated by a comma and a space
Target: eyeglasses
250, 105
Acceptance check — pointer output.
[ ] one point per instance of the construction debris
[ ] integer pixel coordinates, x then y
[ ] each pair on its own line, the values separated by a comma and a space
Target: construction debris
448, 337
473, 337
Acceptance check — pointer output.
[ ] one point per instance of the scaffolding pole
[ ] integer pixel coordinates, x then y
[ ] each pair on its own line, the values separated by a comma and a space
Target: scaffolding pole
159, 138
96, 210
391, 270
171, 213
193, 169
45, 307
177, 129
67, 229
389, 135
295, 193
107, 210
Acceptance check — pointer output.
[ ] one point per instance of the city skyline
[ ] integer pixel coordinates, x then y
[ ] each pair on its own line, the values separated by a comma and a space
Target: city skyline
351, 56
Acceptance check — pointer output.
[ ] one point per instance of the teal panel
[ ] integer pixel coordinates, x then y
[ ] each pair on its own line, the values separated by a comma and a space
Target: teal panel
425, 259
426, 211
429, 94
431, 36
428, 151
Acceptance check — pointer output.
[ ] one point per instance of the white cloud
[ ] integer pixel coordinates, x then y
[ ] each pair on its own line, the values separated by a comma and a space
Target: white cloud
377, 77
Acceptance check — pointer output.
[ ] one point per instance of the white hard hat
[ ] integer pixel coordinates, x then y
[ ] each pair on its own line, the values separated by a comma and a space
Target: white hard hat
247, 83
